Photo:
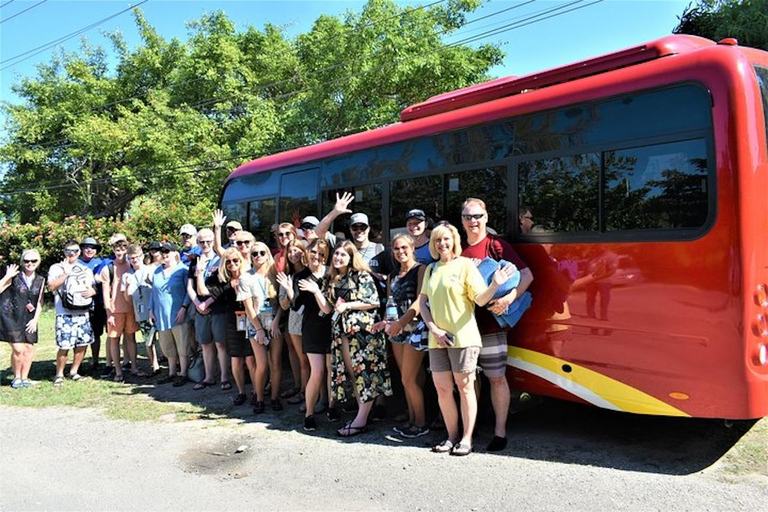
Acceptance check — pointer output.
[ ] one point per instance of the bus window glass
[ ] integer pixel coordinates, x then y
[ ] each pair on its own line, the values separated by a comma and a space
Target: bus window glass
657, 187
762, 80
425, 193
234, 211
251, 186
368, 200
561, 193
298, 195
486, 183
261, 216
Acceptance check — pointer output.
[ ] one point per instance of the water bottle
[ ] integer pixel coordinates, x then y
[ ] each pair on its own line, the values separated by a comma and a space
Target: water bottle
390, 312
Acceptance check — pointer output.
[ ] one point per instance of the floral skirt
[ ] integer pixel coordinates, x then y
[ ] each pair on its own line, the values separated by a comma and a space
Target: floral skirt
368, 353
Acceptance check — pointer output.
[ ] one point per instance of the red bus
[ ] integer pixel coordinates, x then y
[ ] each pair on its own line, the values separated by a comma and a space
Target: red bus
634, 184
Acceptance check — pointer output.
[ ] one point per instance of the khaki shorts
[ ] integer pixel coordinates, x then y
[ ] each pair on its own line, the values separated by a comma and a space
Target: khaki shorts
124, 323
176, 341
456, 360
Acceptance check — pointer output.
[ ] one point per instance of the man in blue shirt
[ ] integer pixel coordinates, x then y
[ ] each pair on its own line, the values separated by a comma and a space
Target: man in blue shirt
89, 249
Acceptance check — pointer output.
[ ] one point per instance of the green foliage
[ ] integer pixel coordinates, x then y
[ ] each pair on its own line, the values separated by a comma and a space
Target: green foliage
147, 220
175, 117
746, 20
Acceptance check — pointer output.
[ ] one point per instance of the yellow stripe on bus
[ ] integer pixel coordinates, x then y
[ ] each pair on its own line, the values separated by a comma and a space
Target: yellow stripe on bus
589, 385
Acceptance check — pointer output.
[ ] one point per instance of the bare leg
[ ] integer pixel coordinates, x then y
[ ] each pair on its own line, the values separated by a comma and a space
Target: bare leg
466, 384
331, 398
114, 350
209, 361
293, 359
315, 382
129, 345
238, 372
77, 359
444, 386
363, 408
223, 357
259, 377
26, 363
414, 394
61, 362
276, 365
303, 361
17, 359
397, 351
500, 397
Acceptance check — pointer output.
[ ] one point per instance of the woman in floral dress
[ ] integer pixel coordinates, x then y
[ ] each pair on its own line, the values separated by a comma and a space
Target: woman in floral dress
355, 351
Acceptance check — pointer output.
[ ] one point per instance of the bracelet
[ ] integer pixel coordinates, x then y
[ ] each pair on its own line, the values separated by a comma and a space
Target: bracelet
184, 306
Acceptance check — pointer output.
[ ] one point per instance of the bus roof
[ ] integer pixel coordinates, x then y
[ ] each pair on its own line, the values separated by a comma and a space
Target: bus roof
422, 118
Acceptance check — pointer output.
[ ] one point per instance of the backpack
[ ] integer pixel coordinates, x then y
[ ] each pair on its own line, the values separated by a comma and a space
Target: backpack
71, 291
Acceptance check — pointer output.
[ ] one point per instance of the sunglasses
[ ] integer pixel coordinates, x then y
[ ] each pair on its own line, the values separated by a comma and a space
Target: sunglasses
165, 251
306, 227
89, 248
358, 227
71, 251
233, 262
31, 261
472, 216
232, 230
186, 235
206, 242
283, 235
243, 242
259, 253
401, 248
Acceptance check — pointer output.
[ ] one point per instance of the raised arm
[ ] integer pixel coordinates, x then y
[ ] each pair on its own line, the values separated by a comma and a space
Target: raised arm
218, 221
341, 207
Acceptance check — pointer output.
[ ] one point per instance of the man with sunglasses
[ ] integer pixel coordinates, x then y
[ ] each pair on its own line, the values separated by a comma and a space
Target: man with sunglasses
232, 229
188, 234
479, 245
89, 250
73, 326
359, 229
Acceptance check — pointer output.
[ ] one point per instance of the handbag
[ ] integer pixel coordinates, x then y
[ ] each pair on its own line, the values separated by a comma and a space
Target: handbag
196, 369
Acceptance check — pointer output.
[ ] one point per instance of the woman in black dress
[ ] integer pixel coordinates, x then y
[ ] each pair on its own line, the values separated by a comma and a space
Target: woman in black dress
222, 288
315, 328
21, 301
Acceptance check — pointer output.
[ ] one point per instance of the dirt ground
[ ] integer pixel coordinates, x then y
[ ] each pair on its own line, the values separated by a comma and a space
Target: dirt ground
560, 456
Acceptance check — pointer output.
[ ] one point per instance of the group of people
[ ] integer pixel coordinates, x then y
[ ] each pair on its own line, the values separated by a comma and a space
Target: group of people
336, 305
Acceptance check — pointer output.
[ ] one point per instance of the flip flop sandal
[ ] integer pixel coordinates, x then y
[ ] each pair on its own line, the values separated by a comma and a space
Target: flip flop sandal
139, 373
120, 378
58, 381
461, 450
226, 386
203, 385
76, 377
444, 447
349, 431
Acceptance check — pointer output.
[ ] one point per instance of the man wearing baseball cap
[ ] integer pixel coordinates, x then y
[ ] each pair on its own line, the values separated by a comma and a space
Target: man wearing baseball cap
89, 249
188, 232
359, 228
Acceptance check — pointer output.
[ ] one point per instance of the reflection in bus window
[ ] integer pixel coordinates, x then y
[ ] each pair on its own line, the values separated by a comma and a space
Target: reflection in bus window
657, 187
425, 193
367, 200
234, 211
261, 216
563, 192
298, 195
486, 183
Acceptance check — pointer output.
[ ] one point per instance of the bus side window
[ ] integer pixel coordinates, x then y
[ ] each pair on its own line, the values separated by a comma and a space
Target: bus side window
486, 183
368, 200
261, 216
423, 193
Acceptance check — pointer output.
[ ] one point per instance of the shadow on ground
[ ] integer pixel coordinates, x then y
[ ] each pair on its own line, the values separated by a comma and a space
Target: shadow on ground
547, 430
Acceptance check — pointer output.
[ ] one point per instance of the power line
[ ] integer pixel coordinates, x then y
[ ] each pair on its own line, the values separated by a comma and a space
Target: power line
46, 46
6, 3
22, 12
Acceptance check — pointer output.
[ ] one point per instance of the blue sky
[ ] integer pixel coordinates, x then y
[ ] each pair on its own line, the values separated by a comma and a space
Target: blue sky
603, 27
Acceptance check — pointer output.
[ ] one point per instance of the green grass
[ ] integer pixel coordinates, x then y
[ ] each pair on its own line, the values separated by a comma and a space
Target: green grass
118, 401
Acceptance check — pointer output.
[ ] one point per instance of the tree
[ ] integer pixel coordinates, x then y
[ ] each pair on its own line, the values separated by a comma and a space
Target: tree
745, 20
173, 118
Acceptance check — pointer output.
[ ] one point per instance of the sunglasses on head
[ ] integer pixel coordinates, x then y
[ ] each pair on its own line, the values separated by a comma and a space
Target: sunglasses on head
259, 253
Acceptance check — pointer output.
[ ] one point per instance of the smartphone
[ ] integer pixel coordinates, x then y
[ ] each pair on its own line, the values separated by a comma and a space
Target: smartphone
451, 339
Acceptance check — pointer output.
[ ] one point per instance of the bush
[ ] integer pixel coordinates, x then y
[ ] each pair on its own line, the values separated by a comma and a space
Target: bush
146, 221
